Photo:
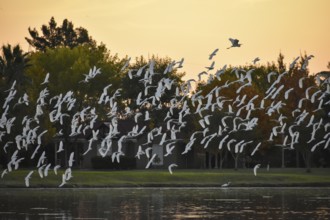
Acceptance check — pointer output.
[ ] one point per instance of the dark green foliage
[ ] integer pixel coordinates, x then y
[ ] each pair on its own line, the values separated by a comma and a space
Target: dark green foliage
53, 36
13, 62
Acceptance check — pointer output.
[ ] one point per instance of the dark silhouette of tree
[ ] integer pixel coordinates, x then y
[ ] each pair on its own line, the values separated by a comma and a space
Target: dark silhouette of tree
280, 63
53, 36
13, 61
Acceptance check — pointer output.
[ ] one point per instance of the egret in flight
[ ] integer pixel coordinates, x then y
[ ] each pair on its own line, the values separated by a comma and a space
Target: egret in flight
234, 43
213, 54
255, 169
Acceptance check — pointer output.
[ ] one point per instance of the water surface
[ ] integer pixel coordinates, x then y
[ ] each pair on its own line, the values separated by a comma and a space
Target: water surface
166, 203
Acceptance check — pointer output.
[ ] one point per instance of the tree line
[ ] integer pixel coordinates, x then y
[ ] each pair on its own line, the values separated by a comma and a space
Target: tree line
68, 53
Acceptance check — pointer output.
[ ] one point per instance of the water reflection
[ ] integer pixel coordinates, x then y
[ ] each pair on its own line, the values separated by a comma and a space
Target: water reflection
166, 203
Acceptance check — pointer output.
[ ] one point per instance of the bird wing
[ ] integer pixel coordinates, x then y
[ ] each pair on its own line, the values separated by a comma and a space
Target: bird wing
151, 160
171, 166
232, 40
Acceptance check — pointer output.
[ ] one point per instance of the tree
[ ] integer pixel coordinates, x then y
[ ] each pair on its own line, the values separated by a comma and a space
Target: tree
67, 69
13, 62
54, 36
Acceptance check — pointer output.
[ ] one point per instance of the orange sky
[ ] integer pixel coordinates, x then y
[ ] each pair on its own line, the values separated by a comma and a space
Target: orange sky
186, 28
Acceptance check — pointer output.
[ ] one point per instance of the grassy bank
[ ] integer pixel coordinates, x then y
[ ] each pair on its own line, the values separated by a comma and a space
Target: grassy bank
194, 178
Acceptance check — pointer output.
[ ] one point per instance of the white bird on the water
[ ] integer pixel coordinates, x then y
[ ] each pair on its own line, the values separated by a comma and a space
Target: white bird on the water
225, 185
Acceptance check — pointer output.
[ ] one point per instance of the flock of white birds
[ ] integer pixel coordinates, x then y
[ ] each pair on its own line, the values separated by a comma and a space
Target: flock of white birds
238, 116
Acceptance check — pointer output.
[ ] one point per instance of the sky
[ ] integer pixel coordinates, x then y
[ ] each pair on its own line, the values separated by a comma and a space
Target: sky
189, 29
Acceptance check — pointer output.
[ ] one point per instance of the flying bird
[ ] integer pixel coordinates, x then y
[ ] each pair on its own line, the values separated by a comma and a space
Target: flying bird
255, 169
46, 80
213, 54
234, 43
255, 60
27, 178
170, 167
211, 67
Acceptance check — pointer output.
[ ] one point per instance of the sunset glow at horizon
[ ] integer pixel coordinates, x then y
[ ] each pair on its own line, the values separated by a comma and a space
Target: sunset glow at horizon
189, 29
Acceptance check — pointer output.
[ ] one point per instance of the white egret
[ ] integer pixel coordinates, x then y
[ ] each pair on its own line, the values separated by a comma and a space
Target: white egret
56, 168
150, 161
213, 53
256, 167
201, 74
27, 178
255, 60
71, 159
234, 43
46, 169
225, 185
211, 67
46, 80
171, 166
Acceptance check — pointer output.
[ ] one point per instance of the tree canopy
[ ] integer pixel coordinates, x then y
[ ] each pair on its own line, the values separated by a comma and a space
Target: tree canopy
239, 111
13, 61
53, 36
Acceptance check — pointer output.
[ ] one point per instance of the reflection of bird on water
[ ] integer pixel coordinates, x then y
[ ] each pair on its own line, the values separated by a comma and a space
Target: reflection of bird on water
225, 185
170, 167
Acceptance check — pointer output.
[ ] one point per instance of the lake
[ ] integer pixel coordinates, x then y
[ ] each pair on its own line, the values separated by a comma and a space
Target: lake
166, 203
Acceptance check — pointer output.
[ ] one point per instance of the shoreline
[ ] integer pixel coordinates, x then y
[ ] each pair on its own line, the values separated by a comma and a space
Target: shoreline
162, 179
82, 186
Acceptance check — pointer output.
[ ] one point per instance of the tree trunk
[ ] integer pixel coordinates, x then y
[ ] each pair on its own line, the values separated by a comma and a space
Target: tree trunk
210, 161
283, 158
216, 161
297, 159
307, 159
308, 162
236, 162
